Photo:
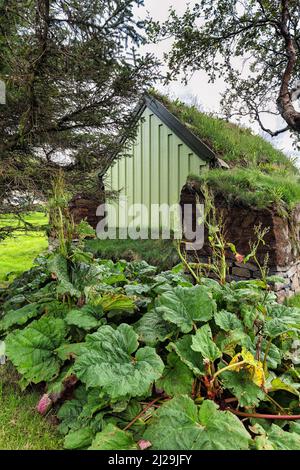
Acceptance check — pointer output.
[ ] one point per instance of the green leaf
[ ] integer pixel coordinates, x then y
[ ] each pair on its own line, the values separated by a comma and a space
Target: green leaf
96, 401
58, 266
87, 317
108, 362
186, 305
79, 439
69, 412
69, 351
178, 425
113, 438
274, 354
32, 350
183, 349
152, 328
295, 427
289, 315
244, 389
177, 378
231, 340
278, 439
202, 342
228, 321
111, 301
137, 289
57, 386
280, 384
20, 316
276, 327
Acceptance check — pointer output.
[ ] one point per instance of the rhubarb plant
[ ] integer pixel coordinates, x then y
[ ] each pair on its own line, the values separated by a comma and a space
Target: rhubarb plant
129, 358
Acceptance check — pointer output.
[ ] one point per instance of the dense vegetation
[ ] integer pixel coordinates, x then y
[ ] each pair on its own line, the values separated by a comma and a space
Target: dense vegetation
72, 76
253, 187
129, 356
253, 46
160, 253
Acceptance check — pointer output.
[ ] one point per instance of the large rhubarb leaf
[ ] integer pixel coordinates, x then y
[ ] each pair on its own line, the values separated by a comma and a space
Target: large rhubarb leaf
152, 328
177, 378
87, 317
109, 300
228, 321
20, 316
186, 305
108, 362
242, 387
32, 350
277, 326
202, 342
70, 411
69, 350
113, 438
179, 425
276, 439
58, 266
192, 359
79, 439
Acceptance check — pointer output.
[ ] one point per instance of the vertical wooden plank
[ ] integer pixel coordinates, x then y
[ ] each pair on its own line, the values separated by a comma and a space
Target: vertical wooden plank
195, 164
154, 166
183, 165
137, 166
146, 169
174, 170
129, 176
164, 165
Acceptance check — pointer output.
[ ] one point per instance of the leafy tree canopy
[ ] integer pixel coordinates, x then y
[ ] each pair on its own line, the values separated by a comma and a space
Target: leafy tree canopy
264, 35
72, 77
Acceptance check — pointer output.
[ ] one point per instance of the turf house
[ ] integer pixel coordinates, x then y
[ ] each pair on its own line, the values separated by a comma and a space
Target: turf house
177, 149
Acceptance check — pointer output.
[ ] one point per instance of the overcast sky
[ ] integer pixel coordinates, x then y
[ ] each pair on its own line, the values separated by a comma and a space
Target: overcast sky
207, 94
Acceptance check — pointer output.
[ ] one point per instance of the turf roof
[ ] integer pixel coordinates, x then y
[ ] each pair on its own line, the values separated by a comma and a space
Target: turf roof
259, 174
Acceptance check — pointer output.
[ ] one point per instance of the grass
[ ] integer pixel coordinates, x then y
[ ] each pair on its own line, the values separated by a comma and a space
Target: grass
161, 253
21, 427
18, 251
235, 144
252, 187
294, 301
259, 174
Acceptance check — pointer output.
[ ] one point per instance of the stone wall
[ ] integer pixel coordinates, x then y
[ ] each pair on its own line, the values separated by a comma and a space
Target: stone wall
282, 241
84, 207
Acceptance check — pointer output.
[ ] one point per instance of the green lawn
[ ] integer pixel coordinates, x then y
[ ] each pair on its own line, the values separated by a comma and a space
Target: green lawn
21, 427
18, 251
160, 253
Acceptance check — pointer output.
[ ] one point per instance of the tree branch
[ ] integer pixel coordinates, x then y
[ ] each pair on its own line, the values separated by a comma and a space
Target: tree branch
284, 100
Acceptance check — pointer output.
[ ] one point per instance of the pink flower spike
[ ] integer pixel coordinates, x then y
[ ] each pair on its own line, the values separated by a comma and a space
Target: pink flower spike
44, 404
239, 258
144, 444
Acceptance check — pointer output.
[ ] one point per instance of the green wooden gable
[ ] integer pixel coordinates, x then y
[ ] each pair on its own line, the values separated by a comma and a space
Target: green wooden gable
164, 153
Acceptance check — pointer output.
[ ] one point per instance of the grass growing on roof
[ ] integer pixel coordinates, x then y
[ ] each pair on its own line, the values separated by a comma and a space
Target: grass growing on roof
235, 144
252, 187
259, 175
